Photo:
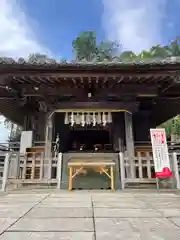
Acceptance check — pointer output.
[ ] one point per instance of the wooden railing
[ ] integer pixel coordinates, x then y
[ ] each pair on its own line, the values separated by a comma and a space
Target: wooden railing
32, 168
140, 169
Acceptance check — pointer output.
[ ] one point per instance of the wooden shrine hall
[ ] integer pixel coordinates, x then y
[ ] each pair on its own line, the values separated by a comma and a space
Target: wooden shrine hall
87, 114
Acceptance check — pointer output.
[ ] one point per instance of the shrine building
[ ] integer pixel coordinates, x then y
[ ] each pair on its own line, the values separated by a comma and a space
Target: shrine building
85, 110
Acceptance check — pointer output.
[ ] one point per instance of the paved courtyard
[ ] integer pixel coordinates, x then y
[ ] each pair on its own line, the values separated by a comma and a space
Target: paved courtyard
89, 215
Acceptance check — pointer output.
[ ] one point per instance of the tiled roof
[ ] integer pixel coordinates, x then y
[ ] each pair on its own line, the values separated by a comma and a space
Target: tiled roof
114, 62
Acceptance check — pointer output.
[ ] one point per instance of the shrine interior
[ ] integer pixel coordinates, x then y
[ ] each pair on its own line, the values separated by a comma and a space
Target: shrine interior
77, 138
88, 140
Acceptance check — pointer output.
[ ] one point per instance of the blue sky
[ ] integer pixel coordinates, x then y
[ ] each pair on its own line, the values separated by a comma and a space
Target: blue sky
60, 21
49, 26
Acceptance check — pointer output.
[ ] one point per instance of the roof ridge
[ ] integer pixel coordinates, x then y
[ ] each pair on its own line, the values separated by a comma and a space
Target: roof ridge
115, 61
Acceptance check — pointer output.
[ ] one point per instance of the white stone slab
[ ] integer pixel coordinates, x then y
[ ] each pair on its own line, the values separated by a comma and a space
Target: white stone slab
55, 200
144, 235
165, 204
153, 224
176, 220
125, 213
5, 223
54, 224
170, 212
65, 204
131, 228
121, 204
51, 212
117, 235
48, 236
13, 212
112, 225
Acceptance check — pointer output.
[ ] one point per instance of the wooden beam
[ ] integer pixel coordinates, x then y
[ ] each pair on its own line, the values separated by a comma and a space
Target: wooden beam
87, 74
128, 89
14, 113
37, 90
59, 91
129, 106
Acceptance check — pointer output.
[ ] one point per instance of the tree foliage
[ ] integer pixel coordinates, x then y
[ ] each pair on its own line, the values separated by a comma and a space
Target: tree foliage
85, 47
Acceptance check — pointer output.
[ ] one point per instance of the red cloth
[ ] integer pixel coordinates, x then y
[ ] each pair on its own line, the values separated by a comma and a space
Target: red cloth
166, 173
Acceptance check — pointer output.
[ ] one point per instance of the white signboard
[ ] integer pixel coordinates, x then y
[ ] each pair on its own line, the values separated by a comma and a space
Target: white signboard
160, 149
26, 141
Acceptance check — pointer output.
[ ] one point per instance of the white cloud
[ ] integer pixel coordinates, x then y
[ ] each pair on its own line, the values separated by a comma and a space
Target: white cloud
16, 36
16, 39
135, 24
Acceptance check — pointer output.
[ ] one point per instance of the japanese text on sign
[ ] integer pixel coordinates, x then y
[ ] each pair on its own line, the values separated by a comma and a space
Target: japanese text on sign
160, 150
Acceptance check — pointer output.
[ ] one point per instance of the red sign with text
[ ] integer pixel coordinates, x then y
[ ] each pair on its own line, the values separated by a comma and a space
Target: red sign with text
160, 153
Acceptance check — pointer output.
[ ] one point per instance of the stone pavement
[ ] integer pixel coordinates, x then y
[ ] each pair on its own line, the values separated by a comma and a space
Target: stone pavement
89, 215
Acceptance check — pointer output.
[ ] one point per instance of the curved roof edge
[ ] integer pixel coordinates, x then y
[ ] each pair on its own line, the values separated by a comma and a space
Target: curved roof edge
115, 62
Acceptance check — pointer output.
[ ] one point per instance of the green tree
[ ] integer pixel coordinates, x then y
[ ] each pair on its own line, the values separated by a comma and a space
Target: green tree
107, 50
160, 51
172, 128
127, 56
175, 48
85, 47
145, 55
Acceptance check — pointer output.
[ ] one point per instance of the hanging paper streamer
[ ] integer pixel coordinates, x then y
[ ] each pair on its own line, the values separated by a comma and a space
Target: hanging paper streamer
66, 120
99, 118
72, 119
104, 119
94, 119
81, 118
78, 119
88, 119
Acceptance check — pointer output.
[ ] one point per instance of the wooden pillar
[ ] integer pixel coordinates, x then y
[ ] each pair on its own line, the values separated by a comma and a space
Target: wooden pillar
118, 132
40, 126
130, 142
48, 148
